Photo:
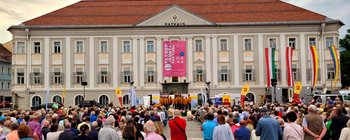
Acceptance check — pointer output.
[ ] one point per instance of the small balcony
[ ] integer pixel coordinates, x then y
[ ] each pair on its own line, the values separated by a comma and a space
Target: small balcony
5, 77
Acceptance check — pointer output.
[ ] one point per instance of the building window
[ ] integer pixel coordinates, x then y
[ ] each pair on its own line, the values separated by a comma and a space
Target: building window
56, 47
20, 48
295, 72
8, 86
36, 101
78, 100
57, 76
125, 99
127, 77
2, 70
79, 76
330, 71
150, 76
247, 44
278, 74
248, 74
104, 76
292, 42
224, 75
272, 42
37, 78
36, 47
223, 44
8, 70
312, 41
150, 46
57, 99
198, 45
103, 100
103, 46
329, 41
2, 85
79, 47
20, 76
126, 46
199, 74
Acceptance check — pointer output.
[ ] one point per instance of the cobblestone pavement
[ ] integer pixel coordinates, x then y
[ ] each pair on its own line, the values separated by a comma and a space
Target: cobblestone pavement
193, 131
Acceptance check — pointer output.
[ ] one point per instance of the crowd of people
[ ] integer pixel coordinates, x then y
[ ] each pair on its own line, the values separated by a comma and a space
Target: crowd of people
304, 121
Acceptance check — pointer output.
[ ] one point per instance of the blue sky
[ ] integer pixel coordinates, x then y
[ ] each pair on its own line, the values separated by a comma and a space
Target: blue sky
14, 12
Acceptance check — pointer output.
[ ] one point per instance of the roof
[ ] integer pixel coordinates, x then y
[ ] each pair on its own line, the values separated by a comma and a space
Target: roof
132, 12
5, 55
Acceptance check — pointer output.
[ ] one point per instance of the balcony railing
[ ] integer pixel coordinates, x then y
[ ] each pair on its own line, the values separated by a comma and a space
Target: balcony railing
5, 77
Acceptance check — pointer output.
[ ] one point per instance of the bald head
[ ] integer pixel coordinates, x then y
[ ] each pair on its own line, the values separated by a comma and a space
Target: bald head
149, 127
312, 108
46, 123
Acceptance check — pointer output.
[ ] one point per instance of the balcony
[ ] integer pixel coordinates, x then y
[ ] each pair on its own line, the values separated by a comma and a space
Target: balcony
5, 77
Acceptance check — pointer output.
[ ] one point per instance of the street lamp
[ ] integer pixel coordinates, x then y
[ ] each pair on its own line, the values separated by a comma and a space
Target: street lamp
84, 84
274, 84
208, 93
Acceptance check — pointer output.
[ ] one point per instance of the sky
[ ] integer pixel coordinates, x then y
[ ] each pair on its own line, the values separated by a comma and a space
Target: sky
14, 12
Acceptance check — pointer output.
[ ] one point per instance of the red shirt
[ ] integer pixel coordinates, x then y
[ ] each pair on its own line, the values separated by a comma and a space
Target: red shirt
175, 132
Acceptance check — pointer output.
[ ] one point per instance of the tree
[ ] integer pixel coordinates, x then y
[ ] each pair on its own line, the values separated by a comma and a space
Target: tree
344, 59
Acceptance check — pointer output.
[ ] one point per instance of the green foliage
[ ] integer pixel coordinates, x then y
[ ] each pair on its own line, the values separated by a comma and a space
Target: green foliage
345, 59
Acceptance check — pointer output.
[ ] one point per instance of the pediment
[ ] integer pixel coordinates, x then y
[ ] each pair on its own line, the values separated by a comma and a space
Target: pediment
199, 61
174, 16
149, 62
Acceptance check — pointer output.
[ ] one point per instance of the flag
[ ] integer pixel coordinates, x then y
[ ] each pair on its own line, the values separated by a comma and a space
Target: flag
335, 58
270, 65
297, 89
289, 56
63, 94
244, 92
314, 65
133, 98
119, 94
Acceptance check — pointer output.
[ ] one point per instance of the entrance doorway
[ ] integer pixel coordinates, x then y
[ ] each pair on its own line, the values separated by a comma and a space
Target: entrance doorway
175, 88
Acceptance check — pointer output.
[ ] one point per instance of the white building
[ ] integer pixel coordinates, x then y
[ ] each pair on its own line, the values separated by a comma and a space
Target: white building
108, 44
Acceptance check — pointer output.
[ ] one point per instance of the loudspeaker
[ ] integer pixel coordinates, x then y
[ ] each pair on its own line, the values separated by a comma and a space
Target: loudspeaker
84, 83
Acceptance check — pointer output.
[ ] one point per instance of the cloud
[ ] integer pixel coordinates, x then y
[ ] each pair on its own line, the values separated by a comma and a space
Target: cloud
11, 13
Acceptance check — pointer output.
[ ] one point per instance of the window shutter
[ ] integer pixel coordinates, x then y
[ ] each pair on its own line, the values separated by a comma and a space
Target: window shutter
131, 76
243, 76
155, 77
41, 78
204, 76
74, 78
219, 76
52, 78
253, 75
109, 77
99, 78
84, 77
195, 76
62, 78
121, 77
229, 76
146, 77
31, 78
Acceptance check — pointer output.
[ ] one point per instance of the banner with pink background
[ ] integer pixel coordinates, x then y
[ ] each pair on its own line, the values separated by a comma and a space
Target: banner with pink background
174, 58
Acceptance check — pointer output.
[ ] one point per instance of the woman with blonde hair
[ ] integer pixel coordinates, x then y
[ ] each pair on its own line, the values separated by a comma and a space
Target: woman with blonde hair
160, 129
345, 132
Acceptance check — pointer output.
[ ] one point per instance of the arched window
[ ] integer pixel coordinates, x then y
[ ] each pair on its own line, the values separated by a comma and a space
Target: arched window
103, 100
36, 101
125, 99
200, 99
79, 99
57, 99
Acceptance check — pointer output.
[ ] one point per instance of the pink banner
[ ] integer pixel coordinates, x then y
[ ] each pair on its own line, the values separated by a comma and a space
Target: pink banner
174, 58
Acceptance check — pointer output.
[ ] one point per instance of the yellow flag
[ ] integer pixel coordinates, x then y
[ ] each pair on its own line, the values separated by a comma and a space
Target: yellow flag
64, 92
118, 92
297, 87
245, 90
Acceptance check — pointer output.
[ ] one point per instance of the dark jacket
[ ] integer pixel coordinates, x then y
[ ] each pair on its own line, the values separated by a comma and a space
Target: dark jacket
338, 123
66, 135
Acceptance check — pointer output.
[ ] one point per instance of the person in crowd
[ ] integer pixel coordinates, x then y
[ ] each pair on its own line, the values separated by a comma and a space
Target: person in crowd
313, 125
222, 131
150, 130
93, 133
84, 129
129, 132
345, 132
178, 127
292, 131
13, 135
208, 127
45, 129
339, 121
6, 128
242, 133
24, 132
35, 126
66, 134
108, 132
233, 123
55, 132
268, 128
160, 128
